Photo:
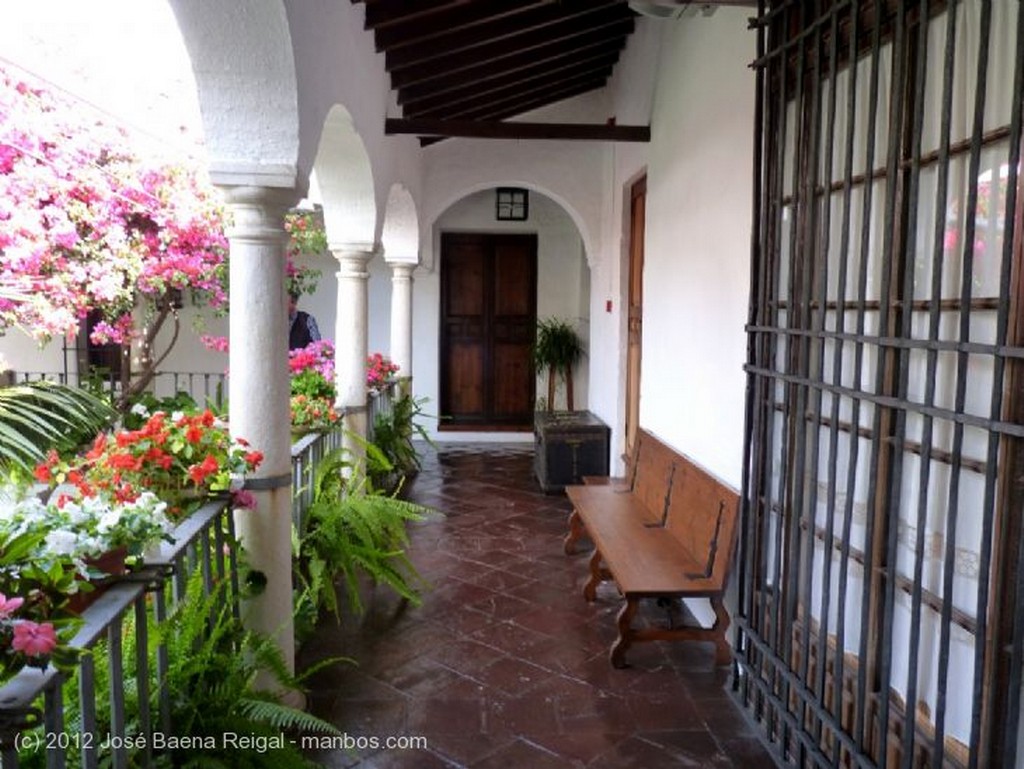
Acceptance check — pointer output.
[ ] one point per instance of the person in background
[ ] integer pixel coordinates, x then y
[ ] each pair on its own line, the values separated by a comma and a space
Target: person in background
302, 328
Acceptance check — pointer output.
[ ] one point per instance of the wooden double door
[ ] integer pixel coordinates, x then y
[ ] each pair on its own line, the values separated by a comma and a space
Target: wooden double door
488, 323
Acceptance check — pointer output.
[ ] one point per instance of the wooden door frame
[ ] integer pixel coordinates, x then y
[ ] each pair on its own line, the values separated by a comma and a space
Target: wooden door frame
446, 425
631, 393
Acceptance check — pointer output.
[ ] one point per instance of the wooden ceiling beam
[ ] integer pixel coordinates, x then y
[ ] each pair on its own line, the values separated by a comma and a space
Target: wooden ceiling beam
508, 69
514, 107
532, 28
417, 28
381, 13
521, 80
514, 50
527, 88
492, 115
480, 129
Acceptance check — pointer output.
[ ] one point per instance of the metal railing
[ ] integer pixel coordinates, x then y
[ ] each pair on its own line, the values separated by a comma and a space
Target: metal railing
380, 403
204, 542
32, 708
307, 452
206, 388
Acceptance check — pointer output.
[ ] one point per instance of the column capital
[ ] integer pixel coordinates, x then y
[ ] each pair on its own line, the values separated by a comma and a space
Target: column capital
258, 212
363, 251
402, 270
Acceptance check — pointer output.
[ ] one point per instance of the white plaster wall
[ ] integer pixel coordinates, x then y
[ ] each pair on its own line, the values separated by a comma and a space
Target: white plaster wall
250, 112
20, 353
562, 290
335, 63
570, 173
630, 95
696, 276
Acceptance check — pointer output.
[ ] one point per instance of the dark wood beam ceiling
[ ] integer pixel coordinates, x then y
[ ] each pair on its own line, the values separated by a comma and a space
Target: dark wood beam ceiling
454, 62
513, 130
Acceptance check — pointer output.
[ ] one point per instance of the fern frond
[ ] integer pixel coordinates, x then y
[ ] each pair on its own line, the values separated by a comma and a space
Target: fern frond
279, 716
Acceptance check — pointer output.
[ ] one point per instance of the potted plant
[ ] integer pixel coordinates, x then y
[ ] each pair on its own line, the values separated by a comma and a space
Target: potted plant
558, 349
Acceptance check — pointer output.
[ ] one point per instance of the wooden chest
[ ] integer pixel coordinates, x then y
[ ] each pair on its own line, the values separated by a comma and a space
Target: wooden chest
567, 446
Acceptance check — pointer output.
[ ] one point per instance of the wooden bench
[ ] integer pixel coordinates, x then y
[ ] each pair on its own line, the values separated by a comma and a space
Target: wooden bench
667, 533
646, 481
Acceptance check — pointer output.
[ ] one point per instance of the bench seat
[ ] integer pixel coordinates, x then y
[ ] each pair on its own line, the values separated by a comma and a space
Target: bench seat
655, 564
667, 533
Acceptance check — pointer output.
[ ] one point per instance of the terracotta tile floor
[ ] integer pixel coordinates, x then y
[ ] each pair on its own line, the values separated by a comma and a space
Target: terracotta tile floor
504, 664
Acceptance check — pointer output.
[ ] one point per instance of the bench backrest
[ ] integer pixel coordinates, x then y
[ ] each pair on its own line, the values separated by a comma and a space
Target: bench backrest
651, 474
702, 515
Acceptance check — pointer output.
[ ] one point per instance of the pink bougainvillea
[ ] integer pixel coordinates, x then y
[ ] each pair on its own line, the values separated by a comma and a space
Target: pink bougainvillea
87, 225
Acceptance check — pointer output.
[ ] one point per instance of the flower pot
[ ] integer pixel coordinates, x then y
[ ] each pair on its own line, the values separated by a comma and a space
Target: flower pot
110, 565
112, 562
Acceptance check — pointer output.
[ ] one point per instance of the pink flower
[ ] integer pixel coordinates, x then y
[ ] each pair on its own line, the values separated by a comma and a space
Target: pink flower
9, 605
35, 640
243, 499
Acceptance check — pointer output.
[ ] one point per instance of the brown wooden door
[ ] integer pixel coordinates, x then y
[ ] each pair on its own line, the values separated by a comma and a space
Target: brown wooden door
488, 318
638, 201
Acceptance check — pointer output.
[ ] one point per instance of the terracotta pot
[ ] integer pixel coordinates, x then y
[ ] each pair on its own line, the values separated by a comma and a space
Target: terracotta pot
111, 564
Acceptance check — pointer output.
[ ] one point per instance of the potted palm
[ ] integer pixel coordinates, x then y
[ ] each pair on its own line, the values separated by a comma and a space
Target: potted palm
558, 349
568, 444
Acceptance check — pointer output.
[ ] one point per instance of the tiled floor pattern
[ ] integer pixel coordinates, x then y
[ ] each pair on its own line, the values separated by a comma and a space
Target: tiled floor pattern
505, 665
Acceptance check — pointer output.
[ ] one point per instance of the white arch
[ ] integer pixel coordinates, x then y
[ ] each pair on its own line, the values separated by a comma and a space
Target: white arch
345, 178
455, 197
250, 112
401, 237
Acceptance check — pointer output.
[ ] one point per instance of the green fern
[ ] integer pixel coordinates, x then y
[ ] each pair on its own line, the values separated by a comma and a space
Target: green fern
353, 530
284, 718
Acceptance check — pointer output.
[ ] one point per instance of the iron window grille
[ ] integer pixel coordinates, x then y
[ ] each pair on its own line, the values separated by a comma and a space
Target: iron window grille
881, 613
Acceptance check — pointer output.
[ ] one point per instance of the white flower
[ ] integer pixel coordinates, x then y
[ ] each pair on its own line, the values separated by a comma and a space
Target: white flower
139, 409
109, 520
30, 508
177, 415
61, 543
78, 514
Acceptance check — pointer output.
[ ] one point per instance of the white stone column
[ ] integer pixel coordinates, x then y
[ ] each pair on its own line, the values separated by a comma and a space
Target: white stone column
258, 398
351, 338
401, 317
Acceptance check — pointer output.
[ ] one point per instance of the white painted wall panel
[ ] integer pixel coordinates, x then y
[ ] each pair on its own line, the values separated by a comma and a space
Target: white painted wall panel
696, 278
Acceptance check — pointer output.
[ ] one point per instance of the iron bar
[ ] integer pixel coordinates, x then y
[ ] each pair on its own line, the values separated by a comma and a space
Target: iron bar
115, 661
1012, 247
818, 418
788, 484
1010, 429
967, 257
945, 610
802, 583
993, 136
918, 56
770, 623
163, 662
752, 408
142, 676
837, 369
918, 305
53, 720
986, 661
966, 347
87, 708
800, 689
914, 447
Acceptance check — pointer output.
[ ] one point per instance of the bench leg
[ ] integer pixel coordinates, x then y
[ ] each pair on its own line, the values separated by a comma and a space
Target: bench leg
576, 531
723, 652
624, 621
596, 572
